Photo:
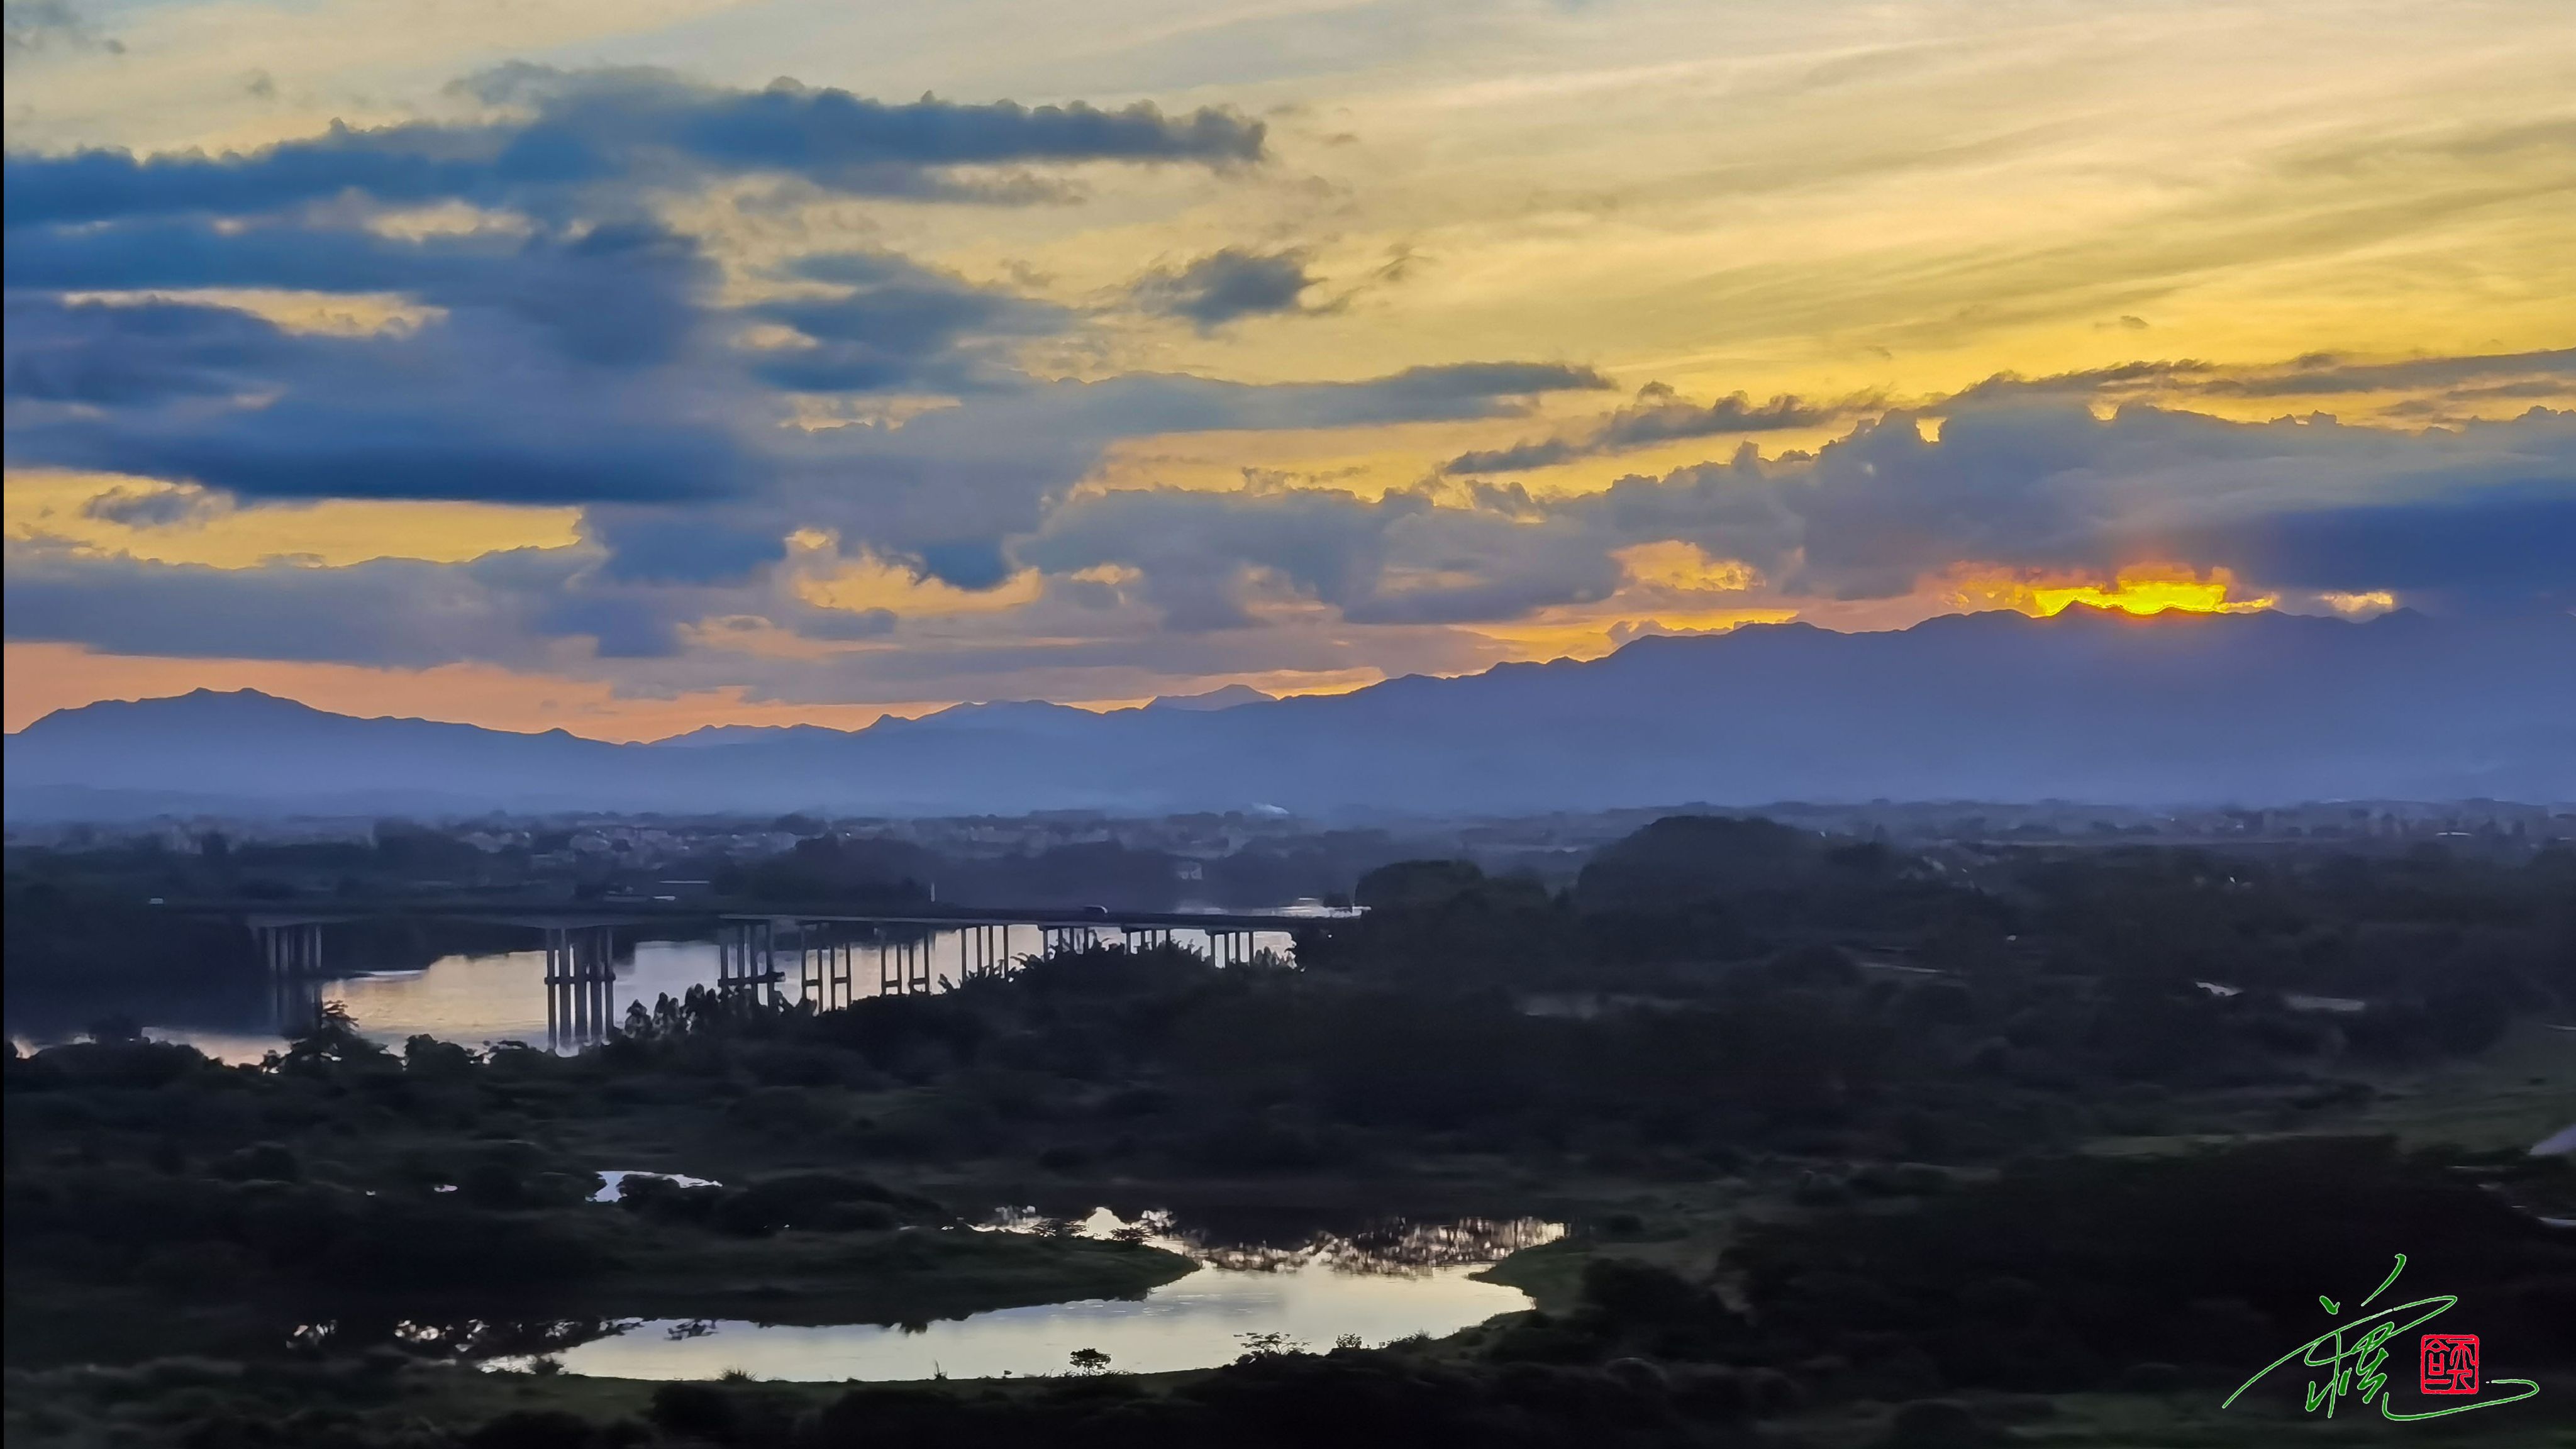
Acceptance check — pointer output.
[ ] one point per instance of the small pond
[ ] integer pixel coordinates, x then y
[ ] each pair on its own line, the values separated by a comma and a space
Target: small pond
1392, 1280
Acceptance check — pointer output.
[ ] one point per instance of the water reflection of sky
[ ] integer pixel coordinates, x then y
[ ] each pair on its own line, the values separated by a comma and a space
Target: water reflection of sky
475, 1000
1389, 1282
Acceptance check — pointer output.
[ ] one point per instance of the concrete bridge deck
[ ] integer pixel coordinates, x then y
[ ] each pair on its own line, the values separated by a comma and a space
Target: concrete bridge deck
571, 915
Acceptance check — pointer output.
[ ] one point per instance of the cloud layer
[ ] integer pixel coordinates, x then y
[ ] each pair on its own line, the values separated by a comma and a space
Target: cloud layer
832, 435
581, 134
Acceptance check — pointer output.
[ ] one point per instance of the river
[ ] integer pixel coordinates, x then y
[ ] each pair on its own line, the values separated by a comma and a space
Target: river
474, 999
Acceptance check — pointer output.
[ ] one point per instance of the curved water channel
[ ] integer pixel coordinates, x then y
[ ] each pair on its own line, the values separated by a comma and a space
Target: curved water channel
1394, 1280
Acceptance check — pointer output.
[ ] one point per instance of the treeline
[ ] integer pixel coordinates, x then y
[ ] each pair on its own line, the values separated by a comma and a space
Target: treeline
2091, 1272
78, 932
2389, 956
820, 868
1685, 890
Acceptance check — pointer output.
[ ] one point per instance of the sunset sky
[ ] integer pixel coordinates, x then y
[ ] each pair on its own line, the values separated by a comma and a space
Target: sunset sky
630, 367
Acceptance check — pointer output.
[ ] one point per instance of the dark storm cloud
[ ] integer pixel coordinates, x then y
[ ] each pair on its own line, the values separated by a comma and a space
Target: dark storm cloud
715, 545
994, 468
152, 507
1518, 458
2483, 517
187, 252
2289, 504
1657, 417
2514, 543
99, 355
1227, 286
1208, 558
580, 131
615, 294
392, 612
1199, 551
584, 354
465, 410
2478, 518
899, 324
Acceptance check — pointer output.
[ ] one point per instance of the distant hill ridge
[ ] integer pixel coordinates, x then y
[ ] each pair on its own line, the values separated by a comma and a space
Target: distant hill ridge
2089, 704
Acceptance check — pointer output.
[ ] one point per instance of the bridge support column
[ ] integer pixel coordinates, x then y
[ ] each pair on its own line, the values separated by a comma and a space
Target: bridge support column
289, 948
581, 984
296, 1001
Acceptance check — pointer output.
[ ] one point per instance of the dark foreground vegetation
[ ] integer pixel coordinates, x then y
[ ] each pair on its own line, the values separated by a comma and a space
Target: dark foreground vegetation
1861, 1148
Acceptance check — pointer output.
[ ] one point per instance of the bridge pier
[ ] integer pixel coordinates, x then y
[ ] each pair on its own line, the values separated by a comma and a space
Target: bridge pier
289, 948
1139, 938
296, 1003
581, 981
984, 952
823, 967
910, 960
747, 958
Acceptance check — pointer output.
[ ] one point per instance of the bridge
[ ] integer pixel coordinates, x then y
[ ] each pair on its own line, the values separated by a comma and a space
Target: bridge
824, 948
827, 946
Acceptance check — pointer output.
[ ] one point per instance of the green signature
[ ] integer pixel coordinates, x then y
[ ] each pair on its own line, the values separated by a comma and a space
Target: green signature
2353, 1364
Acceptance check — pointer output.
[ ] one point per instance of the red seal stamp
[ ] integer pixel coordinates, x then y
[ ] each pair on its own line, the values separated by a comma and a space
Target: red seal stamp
2450, 1363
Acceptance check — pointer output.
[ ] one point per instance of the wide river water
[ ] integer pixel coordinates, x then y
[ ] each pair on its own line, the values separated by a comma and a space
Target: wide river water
476, 1000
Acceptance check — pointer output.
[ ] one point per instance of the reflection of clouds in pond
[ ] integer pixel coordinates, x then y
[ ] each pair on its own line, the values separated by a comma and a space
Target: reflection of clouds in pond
1196, 1322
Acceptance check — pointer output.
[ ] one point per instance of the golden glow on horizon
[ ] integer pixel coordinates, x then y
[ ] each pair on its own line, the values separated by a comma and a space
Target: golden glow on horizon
44, 677
1552, 635
2141, 589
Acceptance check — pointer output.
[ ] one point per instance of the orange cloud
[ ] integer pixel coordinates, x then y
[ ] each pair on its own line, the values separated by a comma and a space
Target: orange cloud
1685, 568
865, 582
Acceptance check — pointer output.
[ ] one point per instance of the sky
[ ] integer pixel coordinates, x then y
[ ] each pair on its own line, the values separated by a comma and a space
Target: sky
634, 367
